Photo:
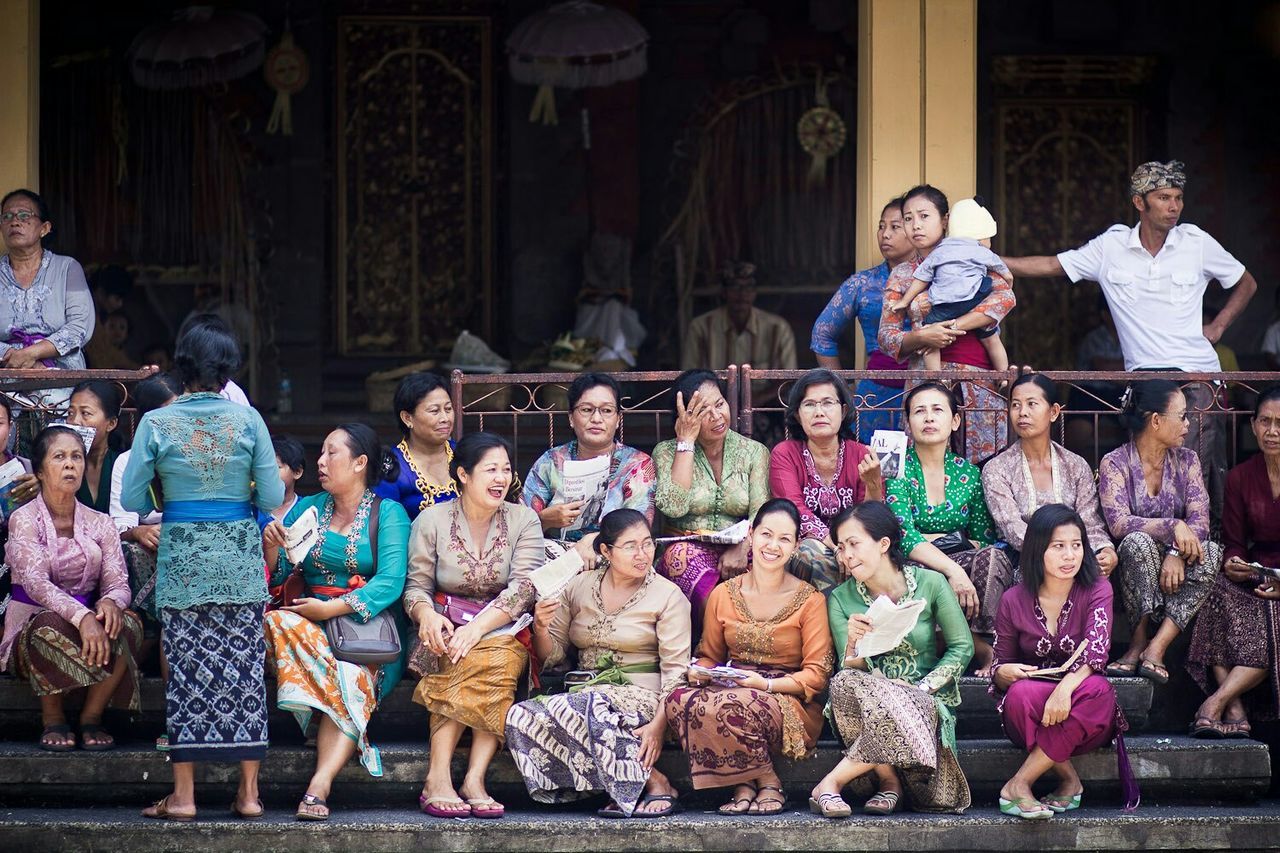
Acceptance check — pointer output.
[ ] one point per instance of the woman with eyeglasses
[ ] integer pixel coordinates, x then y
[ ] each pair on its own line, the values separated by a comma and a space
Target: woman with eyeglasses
1154, 500
46, 312
631, 629
822, 470
596, 418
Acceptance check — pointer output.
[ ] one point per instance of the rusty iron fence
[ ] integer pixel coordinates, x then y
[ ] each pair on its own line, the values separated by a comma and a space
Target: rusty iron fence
530, 409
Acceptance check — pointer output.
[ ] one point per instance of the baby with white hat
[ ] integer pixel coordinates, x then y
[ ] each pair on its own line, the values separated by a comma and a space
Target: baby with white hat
955, 274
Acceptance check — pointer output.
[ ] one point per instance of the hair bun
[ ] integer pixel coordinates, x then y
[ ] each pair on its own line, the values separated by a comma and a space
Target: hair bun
388, 463
1126, 399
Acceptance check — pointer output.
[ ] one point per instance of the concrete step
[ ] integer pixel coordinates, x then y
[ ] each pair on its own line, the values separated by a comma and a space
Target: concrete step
1172, 769
398, 717
81, 830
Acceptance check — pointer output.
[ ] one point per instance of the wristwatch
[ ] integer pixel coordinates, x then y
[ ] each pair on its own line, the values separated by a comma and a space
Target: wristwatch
684, 447
1174, 552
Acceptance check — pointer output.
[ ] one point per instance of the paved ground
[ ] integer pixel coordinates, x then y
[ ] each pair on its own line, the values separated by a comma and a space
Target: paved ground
1254, 827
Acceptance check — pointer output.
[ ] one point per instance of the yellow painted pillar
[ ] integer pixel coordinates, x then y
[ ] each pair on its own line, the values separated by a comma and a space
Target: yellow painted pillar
917, 104
20, 94
917, 107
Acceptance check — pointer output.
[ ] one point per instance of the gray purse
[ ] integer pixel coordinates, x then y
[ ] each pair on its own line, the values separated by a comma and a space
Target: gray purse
369, 643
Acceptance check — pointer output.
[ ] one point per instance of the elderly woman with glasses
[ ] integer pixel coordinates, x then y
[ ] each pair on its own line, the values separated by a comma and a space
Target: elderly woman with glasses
46, 312
596, 419
1155, 502
822, 470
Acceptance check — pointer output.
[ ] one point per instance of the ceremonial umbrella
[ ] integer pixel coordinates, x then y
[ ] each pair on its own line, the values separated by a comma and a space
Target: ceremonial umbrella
199, 46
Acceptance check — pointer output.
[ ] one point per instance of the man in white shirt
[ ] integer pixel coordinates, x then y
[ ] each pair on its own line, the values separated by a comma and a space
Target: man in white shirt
1154, 276
1271, 340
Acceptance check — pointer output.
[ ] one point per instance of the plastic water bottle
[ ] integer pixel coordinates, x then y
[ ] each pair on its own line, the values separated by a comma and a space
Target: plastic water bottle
284, 400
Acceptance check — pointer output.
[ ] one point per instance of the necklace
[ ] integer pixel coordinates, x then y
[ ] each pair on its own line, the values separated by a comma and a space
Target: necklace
430, 491
353, 537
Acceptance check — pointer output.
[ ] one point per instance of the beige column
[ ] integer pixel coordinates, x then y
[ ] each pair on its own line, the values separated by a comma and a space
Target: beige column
917, 105
20, 94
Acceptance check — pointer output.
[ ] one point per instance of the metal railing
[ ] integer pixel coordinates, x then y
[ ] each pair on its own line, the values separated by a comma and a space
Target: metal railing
531, 410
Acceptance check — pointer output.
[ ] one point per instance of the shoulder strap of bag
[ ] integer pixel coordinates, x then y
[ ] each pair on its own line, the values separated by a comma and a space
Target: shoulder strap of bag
374, 512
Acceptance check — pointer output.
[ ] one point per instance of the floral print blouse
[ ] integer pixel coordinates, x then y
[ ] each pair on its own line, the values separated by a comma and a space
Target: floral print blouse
860, 295
963, 507
709, 505
1128, 507
443, 556
1023, 635
1012, 496
632, 481
793, 475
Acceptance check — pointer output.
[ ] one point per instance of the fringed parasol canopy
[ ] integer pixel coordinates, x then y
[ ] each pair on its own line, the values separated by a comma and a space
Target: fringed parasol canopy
575, 45
199, 47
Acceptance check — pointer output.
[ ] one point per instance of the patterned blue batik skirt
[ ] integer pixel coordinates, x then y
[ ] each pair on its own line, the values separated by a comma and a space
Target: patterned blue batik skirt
216, 699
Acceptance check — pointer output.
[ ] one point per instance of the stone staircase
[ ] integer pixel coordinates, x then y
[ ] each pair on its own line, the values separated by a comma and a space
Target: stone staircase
1196, 795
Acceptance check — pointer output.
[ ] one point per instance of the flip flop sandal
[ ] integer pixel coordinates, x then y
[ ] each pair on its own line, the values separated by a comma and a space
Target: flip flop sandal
781, 804
1028, 808
240, 814
658, 798
61, 729
1122, 669
162, 743
1206, 728
486, 808
882, 804
1237, 729
731, 807
307, 808
612, 812
431, 806
830, 805
1153, 671
160, 811
1058, 805
98, 733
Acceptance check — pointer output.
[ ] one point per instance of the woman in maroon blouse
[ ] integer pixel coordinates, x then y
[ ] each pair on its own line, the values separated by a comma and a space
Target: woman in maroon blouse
1076, 712
1236, 639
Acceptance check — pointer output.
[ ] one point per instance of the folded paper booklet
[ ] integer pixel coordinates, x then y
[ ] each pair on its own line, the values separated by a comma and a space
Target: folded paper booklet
731, 535
301, 536
584, 480
510, 630
1055, 673
890, 447
890, 624
722, 671
87, 434
1266, 570
551, 578
10, 473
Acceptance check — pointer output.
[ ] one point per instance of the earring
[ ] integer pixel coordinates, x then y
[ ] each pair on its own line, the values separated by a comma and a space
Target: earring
602, 562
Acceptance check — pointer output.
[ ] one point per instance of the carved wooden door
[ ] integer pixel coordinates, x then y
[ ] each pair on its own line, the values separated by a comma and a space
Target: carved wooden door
414, 150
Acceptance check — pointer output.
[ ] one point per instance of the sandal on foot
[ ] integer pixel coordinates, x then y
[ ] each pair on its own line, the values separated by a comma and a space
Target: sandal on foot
1122, 669
431, 806
1058, 805
240, 814
1153, 671
1206, 728
160, 811
672, 808
1027, 808
731, 807
613, 811
1236, 728
63, 731
883, 803
771, 801
95, 731
312, 808
486, 808
830, 805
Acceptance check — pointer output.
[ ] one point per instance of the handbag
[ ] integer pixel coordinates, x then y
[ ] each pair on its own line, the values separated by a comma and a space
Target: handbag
952, 543
460, 611
366, 643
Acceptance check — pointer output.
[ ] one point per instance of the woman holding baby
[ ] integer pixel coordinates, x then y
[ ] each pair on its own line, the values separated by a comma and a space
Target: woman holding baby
925, 213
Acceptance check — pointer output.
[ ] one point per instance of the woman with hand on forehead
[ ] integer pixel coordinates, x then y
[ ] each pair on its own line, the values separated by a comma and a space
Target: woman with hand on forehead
709, 477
